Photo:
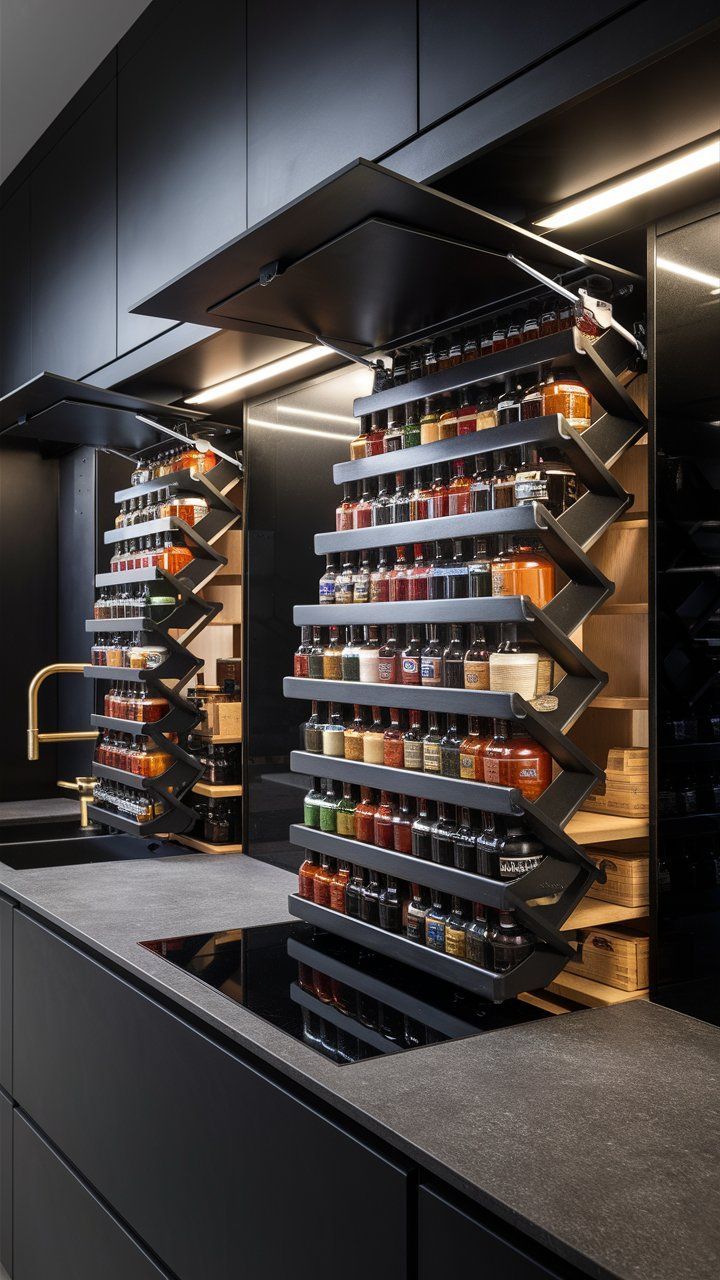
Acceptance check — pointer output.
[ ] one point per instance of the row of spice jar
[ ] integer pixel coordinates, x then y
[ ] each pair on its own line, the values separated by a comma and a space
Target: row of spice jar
338, 1043
426, 917
219, 821
450, 414
540, 318
477, 842
141, 602
490, 482
131, 701
222, 764
461, 659
166, 551
447, 570
139, 755
159, 505
195, 456
438, 745
137, 806
138, 652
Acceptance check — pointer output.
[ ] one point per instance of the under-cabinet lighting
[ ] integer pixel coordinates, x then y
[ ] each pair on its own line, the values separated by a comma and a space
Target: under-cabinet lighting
629, 188
690, 273
320, 415
298, 431
262, 373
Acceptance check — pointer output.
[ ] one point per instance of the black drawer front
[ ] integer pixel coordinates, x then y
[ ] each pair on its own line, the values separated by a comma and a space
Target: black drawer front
60, 1229
449, 1236
220, 1171
6, 1202
6, 958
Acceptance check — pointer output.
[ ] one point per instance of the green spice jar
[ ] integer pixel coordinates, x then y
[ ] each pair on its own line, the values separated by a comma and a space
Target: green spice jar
311, 806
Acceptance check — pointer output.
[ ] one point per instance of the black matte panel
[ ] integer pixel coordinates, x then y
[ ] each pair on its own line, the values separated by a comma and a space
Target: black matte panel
199, 1153
6, 1181
61, 1230
467, 49
326, 83
81, 403
6, 954
15, 290
73, 246
181, 151
351, 230
476, 1248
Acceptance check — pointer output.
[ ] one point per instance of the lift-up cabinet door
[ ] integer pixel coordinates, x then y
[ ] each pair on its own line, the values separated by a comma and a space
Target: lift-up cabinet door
62, 1231
476, 1248
214, 1166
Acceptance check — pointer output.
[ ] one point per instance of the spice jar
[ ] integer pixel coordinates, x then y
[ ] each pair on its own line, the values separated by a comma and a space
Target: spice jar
523, 570
570, 398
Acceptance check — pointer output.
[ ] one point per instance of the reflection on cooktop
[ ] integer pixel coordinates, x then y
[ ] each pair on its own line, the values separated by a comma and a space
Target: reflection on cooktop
343, 1001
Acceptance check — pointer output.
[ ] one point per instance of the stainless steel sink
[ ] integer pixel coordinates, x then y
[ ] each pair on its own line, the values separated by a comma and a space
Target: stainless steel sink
33, 846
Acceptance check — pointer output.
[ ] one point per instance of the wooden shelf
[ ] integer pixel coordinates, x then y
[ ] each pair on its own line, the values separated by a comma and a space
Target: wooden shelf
593, 912
218, 789
627, 609
543, 1000
599, 828
594, 995
222, 739
618, 702
203, 846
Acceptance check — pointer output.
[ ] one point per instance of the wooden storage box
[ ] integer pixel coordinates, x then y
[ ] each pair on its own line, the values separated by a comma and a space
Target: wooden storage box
627, 882
625, 793
616, 956
224, 719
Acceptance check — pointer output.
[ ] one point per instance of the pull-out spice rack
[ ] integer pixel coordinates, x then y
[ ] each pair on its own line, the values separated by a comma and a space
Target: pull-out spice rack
190, 615
545, 897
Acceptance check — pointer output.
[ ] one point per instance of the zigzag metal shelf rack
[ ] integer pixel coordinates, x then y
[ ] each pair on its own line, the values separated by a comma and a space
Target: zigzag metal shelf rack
543, 898
190, 615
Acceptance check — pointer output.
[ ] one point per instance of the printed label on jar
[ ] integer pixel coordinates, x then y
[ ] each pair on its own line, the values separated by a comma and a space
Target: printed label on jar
431, 757
531, 490
435, 934
477, 675
511, 868
467, 768
455, 943
327, 592
386, 670
413, 755
410, 671
528, 771
498, 582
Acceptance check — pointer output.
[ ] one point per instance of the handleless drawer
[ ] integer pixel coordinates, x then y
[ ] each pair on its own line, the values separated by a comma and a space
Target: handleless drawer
219, 1170
61, 1229
477, 1247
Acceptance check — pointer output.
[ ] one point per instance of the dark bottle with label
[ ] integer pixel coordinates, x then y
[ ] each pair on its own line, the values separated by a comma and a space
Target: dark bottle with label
370, 901
361, 579
435, 921
389, 658
350, 658
344, 582
302, 654
481, 485
553, 483
453, 659
488, 845
450, 749
402, 827
312, 732
410, 659
390, 907
431, 659
400, 368
442, 835
455, 927
479, 569
438, 573
457, 574
509, 943
401, 499
421, 832
509, 405
477, 950
432, 758
354, 894
382, 507
316, 656
415, 915
393, 438
503, 482
398, 579
465, 844
518, 852
413, 742
327, 582
476, 660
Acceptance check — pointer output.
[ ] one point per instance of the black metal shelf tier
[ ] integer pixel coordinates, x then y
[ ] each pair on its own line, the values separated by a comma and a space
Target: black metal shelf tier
189, 616
536, 971
343, 1021
316, 954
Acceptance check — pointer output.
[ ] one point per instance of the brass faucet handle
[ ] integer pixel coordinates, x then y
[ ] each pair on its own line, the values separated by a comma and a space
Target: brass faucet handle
85, 788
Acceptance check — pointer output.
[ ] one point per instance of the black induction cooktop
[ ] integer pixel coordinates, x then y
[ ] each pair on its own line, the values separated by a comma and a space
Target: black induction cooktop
345, 1002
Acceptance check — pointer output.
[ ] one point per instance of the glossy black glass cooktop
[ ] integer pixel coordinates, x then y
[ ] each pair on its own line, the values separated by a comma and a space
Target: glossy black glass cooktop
343, 1001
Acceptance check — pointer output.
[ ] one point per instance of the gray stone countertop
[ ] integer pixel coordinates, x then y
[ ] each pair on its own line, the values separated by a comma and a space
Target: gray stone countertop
595, 1133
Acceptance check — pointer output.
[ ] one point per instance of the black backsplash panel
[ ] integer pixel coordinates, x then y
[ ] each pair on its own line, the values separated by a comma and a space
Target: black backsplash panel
687, 618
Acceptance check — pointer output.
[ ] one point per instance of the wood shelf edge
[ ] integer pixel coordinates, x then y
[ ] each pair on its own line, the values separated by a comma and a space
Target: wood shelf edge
594, 995
593, 912
203, 846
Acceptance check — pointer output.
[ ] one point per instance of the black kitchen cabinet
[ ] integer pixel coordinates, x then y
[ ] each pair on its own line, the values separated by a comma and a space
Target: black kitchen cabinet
6, 957
207, 1160
326, 83
469, 48
72, 246
15, 366
6, 1180
60, 1229
448, 1232
181, 152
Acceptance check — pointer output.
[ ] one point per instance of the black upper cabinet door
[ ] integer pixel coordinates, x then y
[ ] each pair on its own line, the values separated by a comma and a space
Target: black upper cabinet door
327, 83
15, 290
73, 252
181, 152
467, 48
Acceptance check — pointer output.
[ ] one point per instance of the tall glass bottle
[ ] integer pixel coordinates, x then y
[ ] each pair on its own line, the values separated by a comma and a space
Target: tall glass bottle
417, 575
479, 569
465, 844
350, 657
355, 735
410, 659
442, 836
369, 656
398, 579
393, 754
453, 659
431, 659
345, 817
476, 660
450, 749
316, 656
413, 742
432, 756
374, 739
421, 832
327, 582
389, 657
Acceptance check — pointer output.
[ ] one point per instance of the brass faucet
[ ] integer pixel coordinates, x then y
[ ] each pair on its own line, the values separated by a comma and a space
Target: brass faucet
34, 737
85, 787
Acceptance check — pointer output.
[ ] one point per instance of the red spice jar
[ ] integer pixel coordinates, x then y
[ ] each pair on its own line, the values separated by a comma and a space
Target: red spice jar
365, 811
393, 753
402, 827
383, 822
512, 759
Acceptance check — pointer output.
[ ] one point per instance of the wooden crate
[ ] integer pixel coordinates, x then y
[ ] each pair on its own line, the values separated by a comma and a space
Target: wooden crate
627, 877
626, 792
617, 956
227, 592
224, 720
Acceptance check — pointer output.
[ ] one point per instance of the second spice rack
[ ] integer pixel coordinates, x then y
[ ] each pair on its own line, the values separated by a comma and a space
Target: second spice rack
545, 897
189, 616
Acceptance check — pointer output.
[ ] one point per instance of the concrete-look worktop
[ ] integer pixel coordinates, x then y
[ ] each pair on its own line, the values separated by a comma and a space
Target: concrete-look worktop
596, 1133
